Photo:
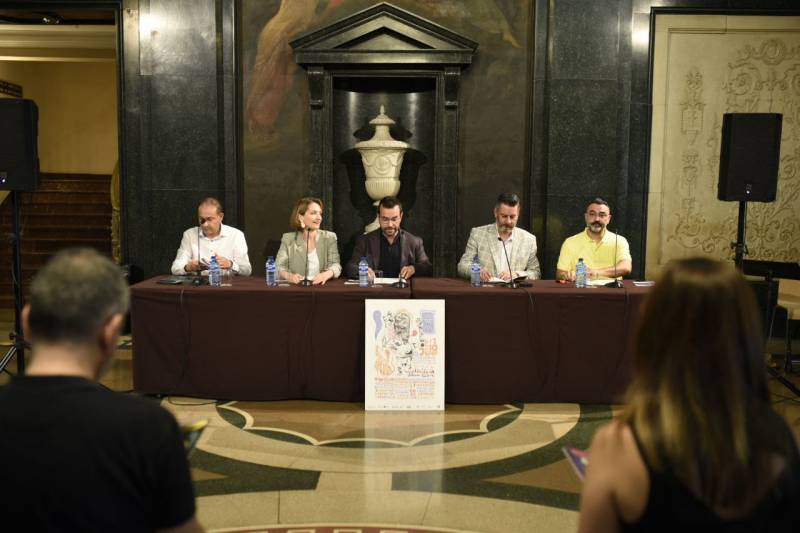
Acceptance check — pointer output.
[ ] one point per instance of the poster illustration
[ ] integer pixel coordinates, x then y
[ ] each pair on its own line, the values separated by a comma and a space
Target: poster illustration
404, 352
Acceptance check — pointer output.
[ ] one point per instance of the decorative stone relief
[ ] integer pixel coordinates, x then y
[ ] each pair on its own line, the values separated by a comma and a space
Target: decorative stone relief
738, 72
692, 115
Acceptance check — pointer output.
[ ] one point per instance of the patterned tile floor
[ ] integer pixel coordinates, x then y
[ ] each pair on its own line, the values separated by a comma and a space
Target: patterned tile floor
313, 467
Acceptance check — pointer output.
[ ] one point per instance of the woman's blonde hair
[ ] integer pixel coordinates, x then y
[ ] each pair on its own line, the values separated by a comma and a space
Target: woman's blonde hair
699, 393
300, 208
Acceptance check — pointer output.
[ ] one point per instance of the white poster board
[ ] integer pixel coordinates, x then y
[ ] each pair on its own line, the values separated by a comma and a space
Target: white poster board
404, 355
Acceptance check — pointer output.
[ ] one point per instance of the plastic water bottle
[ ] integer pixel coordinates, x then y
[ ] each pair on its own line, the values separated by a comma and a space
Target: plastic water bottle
580, 274
363, 273
214, 273
272, 278
475, 272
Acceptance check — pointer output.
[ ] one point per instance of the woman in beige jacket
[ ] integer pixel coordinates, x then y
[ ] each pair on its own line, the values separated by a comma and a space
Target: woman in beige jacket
308, 246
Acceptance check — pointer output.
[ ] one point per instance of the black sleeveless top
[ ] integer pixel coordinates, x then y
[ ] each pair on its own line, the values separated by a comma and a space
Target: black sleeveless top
671, 506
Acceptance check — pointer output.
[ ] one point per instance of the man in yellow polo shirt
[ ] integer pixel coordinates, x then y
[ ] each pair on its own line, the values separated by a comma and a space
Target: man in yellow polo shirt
606, 254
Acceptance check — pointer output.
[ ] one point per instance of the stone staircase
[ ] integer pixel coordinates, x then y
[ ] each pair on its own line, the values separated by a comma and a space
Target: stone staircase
66, 210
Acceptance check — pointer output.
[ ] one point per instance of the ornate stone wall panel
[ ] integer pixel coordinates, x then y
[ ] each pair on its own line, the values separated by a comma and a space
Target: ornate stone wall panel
747, 64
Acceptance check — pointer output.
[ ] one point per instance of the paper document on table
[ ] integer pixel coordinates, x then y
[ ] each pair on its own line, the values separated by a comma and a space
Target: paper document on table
500, 281
644, 283
597, 282
376, 281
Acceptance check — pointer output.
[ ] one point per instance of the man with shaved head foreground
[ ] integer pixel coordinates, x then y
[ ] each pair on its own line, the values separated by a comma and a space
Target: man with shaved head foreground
77, 456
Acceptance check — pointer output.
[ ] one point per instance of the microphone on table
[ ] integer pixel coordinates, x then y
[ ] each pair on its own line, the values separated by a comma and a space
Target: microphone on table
305, 282
198, 276
616, 283
401, 282
511, 283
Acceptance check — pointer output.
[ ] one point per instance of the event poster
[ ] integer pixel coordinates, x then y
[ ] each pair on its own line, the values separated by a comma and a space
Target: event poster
404, 355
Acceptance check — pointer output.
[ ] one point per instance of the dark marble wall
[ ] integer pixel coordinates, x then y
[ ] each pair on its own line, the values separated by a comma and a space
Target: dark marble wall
585, 98
178, 117
580, 129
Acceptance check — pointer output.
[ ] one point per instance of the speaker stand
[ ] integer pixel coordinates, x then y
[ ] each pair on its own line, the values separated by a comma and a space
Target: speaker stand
740, 247
781, 378
18, 346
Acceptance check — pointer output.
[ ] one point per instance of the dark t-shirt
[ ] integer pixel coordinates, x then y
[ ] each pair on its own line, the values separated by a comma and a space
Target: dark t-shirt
79, 457
671, 506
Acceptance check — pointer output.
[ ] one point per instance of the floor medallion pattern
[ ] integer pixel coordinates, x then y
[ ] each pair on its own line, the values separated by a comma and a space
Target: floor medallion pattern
303, 449
342, 425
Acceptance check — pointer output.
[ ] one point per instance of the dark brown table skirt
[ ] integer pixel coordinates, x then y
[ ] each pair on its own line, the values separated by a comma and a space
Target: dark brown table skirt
546, 343
251, 342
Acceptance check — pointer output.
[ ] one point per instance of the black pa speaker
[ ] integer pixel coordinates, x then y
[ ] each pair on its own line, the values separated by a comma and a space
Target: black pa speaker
19, 159
749, 157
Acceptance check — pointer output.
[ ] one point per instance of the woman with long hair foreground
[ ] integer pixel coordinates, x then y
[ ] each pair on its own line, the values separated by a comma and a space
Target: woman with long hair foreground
698, 444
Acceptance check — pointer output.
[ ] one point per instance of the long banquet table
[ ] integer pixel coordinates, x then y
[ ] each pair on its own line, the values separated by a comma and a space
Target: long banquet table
545, 343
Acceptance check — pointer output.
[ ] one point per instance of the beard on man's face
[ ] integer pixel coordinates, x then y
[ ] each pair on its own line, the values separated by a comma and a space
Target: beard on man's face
506, 228
596, 227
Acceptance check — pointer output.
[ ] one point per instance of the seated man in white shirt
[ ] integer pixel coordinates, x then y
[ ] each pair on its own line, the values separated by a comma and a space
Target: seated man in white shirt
212, 237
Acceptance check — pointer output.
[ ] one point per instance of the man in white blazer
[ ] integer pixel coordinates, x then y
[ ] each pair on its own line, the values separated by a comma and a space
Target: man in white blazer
488, 243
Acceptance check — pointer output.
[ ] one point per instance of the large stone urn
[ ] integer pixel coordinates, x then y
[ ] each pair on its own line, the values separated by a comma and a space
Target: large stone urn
382, 157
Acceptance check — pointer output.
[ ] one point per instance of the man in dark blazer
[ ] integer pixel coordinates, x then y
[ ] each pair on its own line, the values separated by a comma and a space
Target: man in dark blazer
390, 249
